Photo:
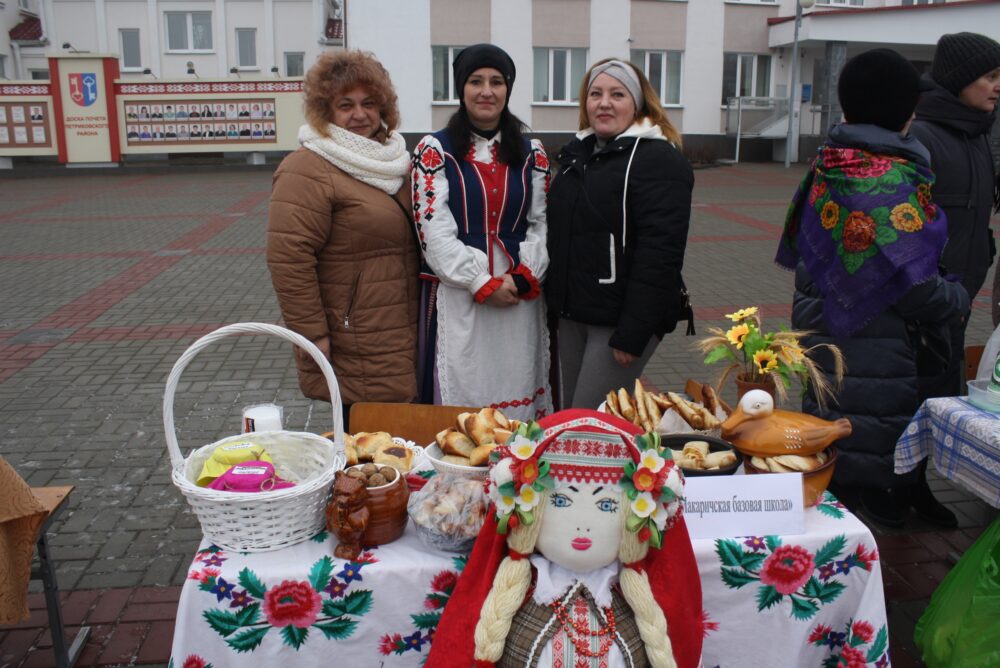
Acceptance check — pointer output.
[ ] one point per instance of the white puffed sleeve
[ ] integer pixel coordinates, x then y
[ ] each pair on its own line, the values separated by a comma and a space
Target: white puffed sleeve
453, 262
534, 253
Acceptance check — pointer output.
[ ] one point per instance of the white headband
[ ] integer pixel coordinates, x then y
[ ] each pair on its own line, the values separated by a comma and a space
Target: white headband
623, 73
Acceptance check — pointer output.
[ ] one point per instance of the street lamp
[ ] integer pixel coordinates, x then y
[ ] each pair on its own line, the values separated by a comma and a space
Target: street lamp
792, 116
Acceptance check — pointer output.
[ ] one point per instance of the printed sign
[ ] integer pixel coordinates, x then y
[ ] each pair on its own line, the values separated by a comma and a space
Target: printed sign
744, 505
83, 88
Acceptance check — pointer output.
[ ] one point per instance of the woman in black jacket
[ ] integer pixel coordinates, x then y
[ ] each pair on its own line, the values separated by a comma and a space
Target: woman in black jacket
864, 238
618, 214
953, 121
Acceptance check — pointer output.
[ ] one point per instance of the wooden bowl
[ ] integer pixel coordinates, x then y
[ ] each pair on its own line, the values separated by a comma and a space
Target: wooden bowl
677, 441
814, 482
387, 515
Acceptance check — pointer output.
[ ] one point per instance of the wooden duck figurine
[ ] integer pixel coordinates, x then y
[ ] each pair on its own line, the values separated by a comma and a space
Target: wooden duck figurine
757, 429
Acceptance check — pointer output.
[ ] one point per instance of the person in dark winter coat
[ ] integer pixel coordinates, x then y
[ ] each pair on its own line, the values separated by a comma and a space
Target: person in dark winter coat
953, 121
864, 238
618, 213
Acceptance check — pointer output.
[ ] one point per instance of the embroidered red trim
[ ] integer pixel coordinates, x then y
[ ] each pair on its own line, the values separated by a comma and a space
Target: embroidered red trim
527, 401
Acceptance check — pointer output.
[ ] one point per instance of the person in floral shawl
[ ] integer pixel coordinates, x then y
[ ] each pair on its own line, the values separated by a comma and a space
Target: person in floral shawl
864, 238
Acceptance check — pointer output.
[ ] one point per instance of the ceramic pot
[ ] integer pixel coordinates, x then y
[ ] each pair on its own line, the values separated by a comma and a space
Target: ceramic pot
743, 386
814, 482
387, 515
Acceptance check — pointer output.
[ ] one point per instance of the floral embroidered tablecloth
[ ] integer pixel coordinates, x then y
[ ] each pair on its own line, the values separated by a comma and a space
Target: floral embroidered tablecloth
796, 601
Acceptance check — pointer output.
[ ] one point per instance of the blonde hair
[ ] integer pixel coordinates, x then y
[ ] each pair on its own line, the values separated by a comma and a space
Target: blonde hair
651, 107
336, 72
510, 586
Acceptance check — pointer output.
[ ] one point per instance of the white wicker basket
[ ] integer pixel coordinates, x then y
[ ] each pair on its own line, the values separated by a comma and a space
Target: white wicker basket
261, 521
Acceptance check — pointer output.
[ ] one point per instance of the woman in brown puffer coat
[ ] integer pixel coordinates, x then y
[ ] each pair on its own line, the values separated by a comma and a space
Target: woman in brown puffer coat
340, 245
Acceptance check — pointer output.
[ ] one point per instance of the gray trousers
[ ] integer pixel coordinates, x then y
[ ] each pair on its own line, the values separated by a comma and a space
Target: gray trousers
588, 368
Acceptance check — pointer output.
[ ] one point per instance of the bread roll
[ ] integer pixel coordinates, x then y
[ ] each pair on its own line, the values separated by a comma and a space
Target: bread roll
759, 463
711, 399
457, 443
611, 404
460, 421
655, 415
478, 429
720, 459
640, 406
686, 411
626, 406
688, 463
797, 462
777, 467
369, 443
494, 418
501, 436
397, 456
350, 450
662, 401
481, 455
454, 459
696, 449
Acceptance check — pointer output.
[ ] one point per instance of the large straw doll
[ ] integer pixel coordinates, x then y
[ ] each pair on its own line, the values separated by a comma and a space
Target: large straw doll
584, 560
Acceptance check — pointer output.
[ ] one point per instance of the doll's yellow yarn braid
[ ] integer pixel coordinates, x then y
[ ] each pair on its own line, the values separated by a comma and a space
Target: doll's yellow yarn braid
648, 615
509, 589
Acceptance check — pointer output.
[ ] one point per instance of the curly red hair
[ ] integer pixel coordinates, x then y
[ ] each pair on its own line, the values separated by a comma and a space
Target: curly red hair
337, 72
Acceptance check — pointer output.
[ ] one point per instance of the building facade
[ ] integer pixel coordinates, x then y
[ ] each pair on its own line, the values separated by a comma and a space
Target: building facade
700, 54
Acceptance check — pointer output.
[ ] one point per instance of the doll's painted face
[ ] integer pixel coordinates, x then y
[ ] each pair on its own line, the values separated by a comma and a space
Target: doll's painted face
581, 526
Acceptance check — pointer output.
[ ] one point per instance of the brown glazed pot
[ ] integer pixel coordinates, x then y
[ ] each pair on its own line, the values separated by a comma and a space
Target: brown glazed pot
387, 515
814, 482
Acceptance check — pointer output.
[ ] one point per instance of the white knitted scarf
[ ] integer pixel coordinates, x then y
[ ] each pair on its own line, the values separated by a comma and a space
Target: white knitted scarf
381, 166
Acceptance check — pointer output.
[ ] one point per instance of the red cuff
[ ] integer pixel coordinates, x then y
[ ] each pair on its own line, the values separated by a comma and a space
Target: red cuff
536, 289
488, 289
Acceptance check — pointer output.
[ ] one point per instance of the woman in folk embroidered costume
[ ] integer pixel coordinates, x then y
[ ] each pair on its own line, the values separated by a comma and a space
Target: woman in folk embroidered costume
340, 243
479, 209
618, 221
584, 559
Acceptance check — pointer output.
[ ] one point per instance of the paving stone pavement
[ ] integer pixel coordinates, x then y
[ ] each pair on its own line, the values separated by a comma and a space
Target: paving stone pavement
106, 280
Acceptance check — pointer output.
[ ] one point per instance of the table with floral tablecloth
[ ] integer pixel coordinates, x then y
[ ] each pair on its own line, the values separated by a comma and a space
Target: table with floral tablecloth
809, 600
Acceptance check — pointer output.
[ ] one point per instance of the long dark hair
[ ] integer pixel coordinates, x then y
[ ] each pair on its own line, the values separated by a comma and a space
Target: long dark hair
511, 128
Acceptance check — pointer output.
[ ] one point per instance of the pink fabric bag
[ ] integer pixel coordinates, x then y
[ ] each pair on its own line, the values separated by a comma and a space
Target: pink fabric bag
251, 476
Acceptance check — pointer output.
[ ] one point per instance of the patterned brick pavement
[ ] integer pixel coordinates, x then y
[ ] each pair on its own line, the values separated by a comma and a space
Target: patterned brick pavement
105, 280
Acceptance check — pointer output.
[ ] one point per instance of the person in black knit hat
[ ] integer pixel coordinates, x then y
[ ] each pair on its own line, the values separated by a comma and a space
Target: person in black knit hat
868, 281
953, 121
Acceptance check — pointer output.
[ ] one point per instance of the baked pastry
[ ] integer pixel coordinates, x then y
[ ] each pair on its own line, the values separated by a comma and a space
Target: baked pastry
454, 442
494, 418
720, 459
397, 456
501, 436
351, 450
368, 444
478, 429
454, 459
481, 455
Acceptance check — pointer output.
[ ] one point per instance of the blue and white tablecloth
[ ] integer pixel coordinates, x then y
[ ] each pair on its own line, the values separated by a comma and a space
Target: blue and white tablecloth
810, 600
963, 442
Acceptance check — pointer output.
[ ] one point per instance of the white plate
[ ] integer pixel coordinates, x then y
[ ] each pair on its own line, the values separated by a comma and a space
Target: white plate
434, 454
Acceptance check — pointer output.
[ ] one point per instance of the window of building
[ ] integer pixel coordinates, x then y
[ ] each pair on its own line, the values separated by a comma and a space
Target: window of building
663, 69
246, 48
558, 73
851, 3
745, 75
922, 2
39, 75
295, 64
443, 57
189, 31
131, 57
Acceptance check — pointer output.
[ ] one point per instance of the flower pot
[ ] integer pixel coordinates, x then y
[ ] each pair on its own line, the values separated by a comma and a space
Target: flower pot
743, 386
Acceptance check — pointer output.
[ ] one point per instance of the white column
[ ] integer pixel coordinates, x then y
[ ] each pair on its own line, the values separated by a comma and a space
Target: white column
319, 23
510, 29
399, 34
702, 75
266, 59
48, 22
610, 25
155, 55
221, 35
102, 27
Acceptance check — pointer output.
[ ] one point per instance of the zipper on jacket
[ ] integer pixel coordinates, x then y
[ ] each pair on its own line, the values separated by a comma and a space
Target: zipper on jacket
350, 304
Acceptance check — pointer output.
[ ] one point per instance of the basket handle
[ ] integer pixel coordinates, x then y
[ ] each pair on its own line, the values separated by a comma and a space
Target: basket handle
176, 459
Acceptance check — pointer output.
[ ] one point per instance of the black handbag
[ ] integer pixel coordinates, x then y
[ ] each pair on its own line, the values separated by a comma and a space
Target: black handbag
687, 311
